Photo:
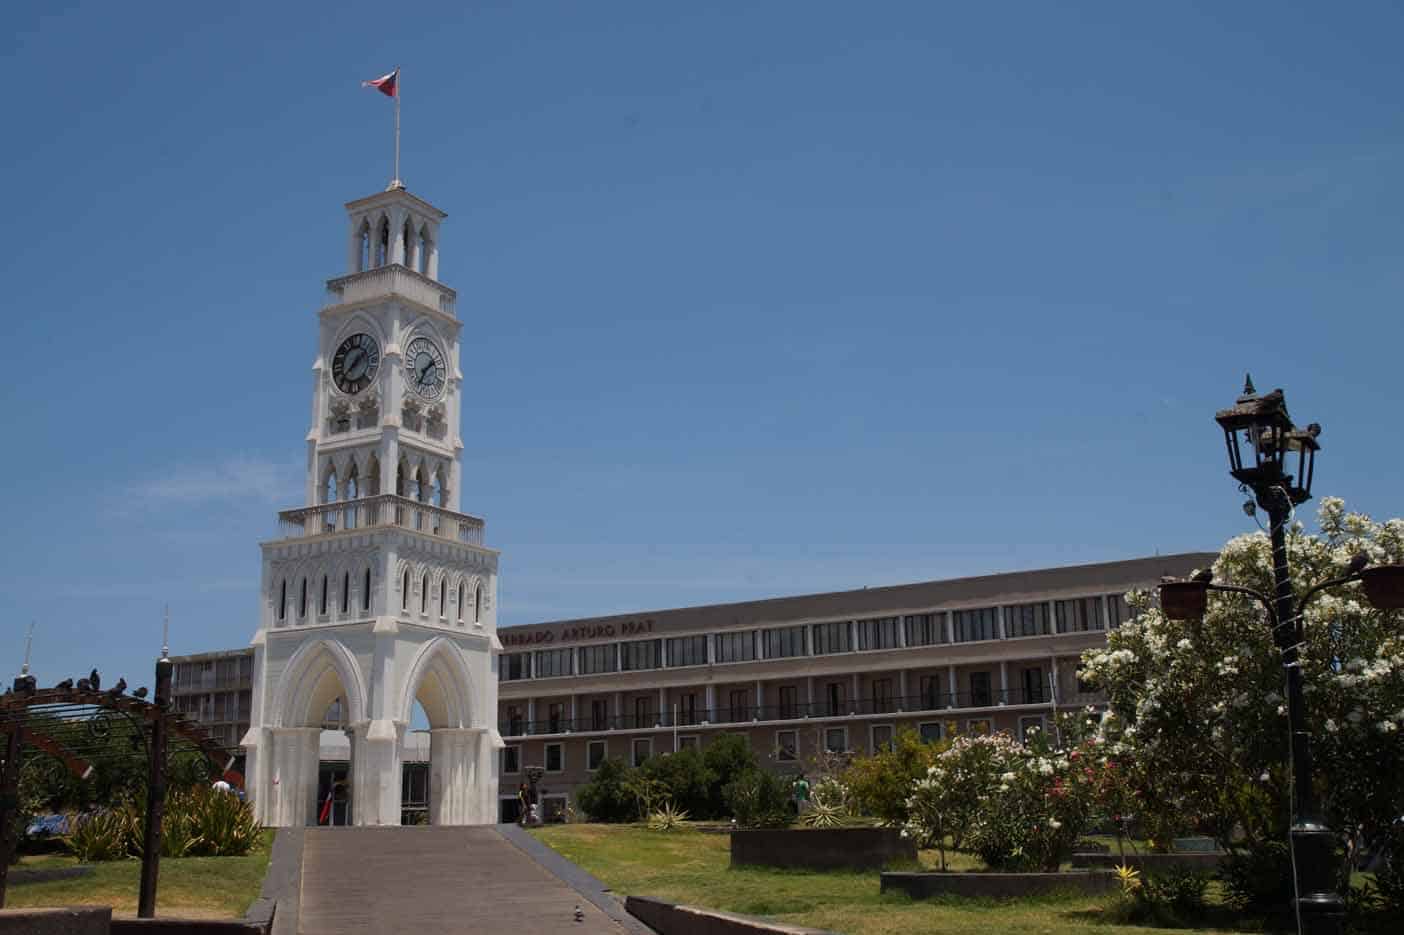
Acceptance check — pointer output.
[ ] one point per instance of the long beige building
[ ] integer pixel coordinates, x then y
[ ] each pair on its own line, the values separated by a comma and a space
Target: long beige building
841, 671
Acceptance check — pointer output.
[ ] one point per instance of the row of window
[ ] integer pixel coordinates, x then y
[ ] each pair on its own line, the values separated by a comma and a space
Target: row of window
787, 743
296, 598
443, 597
1033, 686
1044, 618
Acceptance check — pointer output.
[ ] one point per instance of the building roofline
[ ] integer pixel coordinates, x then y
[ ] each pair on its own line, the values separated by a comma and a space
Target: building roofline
970, 589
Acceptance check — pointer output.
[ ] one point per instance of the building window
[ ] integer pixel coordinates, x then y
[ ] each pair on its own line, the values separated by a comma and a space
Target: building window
478, 604
1118, 610
1026, 620
511, 759
404, 591
345, 592
882, 737
640, 654
832, 638
686, 707
322, 604
1028, 726
365, 592
783, 643
424, 594
878, 634
552, 663
643, 712
689, 742
980, 696
971, 625
443, 598
836, 739
460, 602
789, 701
1033, 686
977, 725
786, 746
738, 706
1079, 615
687, 651
514, 667
925, 629
555, 717
736, 647
882, 696
599, 714
930, 731
836, 701
302, 600
555, 757
594, 755
642, 750
283, 600
514, 721
596, 659
931, 692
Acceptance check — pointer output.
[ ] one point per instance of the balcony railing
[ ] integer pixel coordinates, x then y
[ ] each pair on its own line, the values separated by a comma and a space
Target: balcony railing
393, 279
726, 714
380, 511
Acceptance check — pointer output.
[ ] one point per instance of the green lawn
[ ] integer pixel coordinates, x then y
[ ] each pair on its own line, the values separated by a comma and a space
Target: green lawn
205, 887
691, 867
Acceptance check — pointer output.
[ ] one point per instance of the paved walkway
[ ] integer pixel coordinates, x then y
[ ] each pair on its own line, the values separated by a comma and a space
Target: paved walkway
426, 881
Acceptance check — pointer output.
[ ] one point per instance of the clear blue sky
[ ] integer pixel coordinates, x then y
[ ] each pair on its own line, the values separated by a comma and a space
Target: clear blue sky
759, 298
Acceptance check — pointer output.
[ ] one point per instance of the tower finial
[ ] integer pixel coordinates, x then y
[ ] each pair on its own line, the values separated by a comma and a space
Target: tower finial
28, 645
1248, 385
166, 634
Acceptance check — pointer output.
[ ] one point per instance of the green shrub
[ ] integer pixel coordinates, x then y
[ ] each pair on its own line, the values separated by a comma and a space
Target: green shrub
101, 835
880, 785
759, 799
1260, 878
684, 780
726, 758
667, 818
1172, 896
606, 796
219, 824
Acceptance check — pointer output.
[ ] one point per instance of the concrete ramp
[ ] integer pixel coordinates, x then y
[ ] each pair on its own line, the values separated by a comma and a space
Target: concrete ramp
426, 881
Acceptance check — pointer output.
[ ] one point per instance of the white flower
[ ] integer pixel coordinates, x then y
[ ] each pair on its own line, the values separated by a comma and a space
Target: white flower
1331, 727
1388, 727
1007, 777
1264, 777
1054, 823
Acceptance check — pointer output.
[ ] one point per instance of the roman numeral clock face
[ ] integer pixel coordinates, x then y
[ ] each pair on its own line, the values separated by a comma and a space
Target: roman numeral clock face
424, 368
355, 363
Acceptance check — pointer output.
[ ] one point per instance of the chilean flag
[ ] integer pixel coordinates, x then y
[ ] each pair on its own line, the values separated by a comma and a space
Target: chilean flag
389, 85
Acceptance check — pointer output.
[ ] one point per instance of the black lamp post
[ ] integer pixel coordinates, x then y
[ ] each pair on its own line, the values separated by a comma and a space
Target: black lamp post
1262, 446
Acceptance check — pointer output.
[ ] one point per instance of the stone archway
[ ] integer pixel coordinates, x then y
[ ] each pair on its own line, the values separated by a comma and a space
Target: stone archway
318, 673
462, 783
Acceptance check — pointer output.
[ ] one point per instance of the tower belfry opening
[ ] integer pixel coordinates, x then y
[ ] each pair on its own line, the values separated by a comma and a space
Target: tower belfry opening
364, 584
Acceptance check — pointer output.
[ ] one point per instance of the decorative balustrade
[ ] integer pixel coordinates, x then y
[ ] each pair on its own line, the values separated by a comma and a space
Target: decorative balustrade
380, 511
392, 280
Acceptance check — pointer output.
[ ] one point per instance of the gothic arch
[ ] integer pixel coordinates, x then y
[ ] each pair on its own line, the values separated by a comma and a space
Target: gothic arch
358, 323
440, 680
308, 683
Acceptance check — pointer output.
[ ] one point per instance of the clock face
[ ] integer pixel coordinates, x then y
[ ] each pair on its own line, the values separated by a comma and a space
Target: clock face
424, 368
355, 363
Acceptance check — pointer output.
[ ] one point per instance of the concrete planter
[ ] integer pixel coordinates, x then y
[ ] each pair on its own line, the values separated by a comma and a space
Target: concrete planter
998, 885
821, 848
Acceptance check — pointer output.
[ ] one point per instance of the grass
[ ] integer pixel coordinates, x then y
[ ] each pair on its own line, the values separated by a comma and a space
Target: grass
196, 887
691, 867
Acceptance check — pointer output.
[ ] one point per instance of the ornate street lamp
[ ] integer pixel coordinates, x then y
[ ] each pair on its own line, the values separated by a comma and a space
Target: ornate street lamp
1263, 446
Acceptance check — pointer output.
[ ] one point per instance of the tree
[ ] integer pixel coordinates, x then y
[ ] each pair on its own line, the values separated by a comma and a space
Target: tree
1197, 708
726, 758
880, 784
607, 796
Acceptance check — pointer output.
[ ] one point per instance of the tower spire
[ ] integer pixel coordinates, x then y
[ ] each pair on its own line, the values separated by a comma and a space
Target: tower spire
28, 645
166, 634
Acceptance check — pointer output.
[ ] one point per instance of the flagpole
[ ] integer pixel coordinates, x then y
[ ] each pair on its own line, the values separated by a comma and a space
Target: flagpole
396, 183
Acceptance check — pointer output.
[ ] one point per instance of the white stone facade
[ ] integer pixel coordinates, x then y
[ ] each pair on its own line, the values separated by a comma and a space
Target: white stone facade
379, 593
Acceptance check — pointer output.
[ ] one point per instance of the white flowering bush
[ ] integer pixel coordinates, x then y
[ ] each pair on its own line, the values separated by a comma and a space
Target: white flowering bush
1197, 708
1020, 806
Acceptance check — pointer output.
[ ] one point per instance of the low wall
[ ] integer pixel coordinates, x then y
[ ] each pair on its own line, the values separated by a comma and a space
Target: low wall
1151, 862
667, 918
63, 920
821, 848
997, 885
175, 926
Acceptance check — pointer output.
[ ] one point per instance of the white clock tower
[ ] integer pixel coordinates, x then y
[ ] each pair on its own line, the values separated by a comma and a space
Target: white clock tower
378, 592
